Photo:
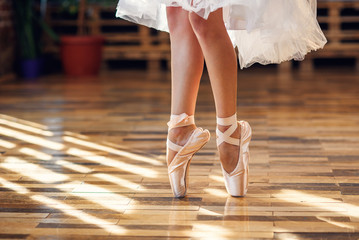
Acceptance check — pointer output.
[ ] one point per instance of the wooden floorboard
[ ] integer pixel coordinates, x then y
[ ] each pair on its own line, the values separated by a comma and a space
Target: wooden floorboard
85, 159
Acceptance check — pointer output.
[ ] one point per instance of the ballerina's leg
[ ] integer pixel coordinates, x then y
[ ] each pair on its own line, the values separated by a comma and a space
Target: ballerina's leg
186, 71
221, 62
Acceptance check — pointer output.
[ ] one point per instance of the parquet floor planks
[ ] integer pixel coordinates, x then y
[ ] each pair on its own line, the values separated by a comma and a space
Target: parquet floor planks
85, 159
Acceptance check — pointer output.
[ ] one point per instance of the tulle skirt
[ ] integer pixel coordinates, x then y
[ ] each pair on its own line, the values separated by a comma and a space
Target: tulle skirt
264, 31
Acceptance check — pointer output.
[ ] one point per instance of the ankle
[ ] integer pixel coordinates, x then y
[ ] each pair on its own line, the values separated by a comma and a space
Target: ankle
222, 128
236, 133
179, 135
229, 132
180, 131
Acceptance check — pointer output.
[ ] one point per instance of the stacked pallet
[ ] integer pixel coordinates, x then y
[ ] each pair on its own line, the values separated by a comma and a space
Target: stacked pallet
123, 40
340, 23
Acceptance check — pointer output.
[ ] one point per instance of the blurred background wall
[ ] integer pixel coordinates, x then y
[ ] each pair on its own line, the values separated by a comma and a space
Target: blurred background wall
127, 45
7, 40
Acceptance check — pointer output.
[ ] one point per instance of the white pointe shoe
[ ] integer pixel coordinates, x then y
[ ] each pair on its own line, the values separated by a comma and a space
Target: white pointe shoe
178, 168
236, 181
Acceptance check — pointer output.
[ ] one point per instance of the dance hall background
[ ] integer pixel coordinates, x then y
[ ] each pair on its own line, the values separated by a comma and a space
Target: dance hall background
84, 102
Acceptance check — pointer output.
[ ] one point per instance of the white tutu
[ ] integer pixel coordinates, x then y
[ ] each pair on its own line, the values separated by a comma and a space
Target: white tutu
264, 31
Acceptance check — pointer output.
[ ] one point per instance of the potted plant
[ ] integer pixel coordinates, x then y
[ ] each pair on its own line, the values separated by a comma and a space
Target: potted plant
29, 49
81, 55
29, 27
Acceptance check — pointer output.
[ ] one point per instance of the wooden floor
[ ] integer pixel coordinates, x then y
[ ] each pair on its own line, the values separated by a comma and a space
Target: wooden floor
86, 160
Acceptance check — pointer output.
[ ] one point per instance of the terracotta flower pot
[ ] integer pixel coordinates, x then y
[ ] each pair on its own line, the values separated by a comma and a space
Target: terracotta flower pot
81, 55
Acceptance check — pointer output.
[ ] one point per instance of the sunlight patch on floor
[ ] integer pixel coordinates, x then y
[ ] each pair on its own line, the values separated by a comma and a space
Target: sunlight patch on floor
112, 150
31, 170
36, 154
26, 128
31, 139
13, 186
7, 144
131, 168
71, 211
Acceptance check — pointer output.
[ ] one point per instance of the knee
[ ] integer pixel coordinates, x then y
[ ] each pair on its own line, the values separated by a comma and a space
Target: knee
199, 25
176, 17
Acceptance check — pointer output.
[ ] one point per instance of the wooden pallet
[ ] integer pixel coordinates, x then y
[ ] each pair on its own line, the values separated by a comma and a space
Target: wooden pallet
343, 42
128, 41
137, 42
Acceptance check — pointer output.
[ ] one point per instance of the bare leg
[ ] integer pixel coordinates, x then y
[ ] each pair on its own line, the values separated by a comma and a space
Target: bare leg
222, 68
187, 67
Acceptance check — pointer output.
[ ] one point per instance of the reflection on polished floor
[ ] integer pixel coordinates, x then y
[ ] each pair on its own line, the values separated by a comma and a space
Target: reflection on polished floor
86, 160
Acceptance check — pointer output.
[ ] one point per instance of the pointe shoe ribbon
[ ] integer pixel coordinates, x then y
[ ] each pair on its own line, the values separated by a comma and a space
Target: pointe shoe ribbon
236, 182
244, 150
178, 168
180, 120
